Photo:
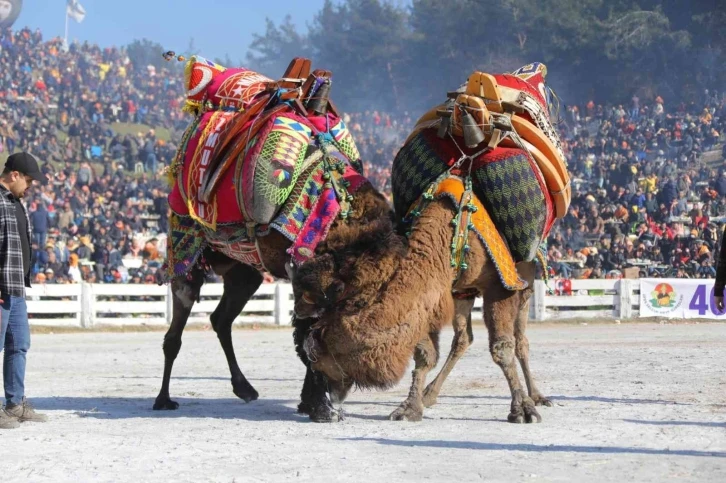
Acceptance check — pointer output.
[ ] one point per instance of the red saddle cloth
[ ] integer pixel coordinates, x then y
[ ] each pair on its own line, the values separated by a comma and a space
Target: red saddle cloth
242, 194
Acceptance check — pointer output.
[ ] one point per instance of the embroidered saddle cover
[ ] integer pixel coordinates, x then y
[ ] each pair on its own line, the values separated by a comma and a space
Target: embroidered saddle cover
517, 166
510, 110
505, 180
255, 158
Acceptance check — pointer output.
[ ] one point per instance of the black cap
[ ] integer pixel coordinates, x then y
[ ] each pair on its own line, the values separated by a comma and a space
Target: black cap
25, 163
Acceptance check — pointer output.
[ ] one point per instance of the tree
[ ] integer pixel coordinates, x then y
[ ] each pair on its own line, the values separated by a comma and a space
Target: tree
361, 41
271, 52
145, 52
385, 55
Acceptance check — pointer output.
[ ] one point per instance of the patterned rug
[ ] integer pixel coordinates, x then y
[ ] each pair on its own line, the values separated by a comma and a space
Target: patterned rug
453, 188
184, 245
506, 181
313, 207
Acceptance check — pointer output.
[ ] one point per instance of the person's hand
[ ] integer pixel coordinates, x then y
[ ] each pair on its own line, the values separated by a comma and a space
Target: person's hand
719, 303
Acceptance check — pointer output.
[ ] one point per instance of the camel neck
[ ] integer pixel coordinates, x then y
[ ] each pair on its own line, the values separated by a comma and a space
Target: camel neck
424, 274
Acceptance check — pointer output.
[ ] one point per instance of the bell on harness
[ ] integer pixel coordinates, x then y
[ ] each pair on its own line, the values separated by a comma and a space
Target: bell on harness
473, 135
318, 102
445, 123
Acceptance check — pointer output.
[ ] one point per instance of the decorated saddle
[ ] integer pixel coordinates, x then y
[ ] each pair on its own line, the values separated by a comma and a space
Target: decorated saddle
491, 149
259, 154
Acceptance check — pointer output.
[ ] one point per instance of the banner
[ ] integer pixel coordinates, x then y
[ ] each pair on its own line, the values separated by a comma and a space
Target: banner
75, 11
680, 298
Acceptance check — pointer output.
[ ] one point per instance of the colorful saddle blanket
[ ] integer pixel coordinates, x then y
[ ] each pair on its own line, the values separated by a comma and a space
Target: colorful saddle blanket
506, 181
507, 110
259, 181
279, 177
490, 145
305, 218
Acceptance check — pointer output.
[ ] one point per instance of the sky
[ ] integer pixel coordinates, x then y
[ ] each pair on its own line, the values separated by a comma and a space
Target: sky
218, 27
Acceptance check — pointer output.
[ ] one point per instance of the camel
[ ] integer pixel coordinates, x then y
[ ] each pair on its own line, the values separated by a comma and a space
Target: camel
392, 301
356, 342
306, 169
370, 215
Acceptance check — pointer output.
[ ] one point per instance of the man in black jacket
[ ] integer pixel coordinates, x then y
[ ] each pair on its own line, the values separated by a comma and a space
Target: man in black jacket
21, 169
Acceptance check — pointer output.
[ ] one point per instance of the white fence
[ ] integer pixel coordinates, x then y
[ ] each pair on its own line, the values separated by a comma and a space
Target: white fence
590, 299
88, 305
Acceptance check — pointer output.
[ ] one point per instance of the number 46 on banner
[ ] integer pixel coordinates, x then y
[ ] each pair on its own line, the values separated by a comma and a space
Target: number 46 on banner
700, 304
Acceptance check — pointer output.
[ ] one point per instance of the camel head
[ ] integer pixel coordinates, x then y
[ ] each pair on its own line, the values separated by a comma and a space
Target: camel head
341, 264
345, 277
317, 286
336, 287
389, 292
348, 270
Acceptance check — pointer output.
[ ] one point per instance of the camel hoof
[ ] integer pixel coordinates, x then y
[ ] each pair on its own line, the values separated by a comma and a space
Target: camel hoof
247, 393
304, 408
430, 398
533, 418
515, 418
540, 400
530, 412
165, 404
325, 414
524, 413
406, 413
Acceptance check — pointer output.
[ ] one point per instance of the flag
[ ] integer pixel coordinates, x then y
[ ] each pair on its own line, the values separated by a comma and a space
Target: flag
75, 10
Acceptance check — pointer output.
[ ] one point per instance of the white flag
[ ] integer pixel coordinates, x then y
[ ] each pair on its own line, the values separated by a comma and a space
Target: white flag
75, 10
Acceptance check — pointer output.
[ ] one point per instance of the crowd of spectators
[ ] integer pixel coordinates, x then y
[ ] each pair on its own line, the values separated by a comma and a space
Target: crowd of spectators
103, 215
642, 197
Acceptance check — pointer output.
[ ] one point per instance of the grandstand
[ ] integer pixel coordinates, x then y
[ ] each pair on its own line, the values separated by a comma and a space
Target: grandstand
649, 183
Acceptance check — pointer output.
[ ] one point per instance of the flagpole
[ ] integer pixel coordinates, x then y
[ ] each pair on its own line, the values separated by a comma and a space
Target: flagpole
66, 35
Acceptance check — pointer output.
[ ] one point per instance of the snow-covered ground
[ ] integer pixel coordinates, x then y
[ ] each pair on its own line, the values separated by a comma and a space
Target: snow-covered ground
633, 402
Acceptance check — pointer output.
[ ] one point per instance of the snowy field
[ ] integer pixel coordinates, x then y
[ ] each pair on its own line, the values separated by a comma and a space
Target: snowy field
633, 402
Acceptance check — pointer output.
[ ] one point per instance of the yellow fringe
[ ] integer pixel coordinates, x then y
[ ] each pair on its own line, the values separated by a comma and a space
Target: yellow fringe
188, 71
169, 172
192, 107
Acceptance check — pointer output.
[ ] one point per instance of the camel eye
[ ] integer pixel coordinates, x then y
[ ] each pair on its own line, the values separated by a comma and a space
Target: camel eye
334, 291
338, 286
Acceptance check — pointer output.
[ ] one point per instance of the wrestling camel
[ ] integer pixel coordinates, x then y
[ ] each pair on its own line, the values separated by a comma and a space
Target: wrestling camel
393, 302
266, 176
477, 186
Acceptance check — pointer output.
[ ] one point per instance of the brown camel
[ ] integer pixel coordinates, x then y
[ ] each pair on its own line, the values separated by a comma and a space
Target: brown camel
393, 299
370, 217
469, 214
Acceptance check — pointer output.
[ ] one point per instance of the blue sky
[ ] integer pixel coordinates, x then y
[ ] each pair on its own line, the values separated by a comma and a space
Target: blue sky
219, 27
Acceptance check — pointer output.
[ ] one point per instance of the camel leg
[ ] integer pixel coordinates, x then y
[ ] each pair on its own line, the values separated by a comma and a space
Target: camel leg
463, 337
522, 351
425, 356
240, 284
339, 391
501, 308
315, 400
184, 293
